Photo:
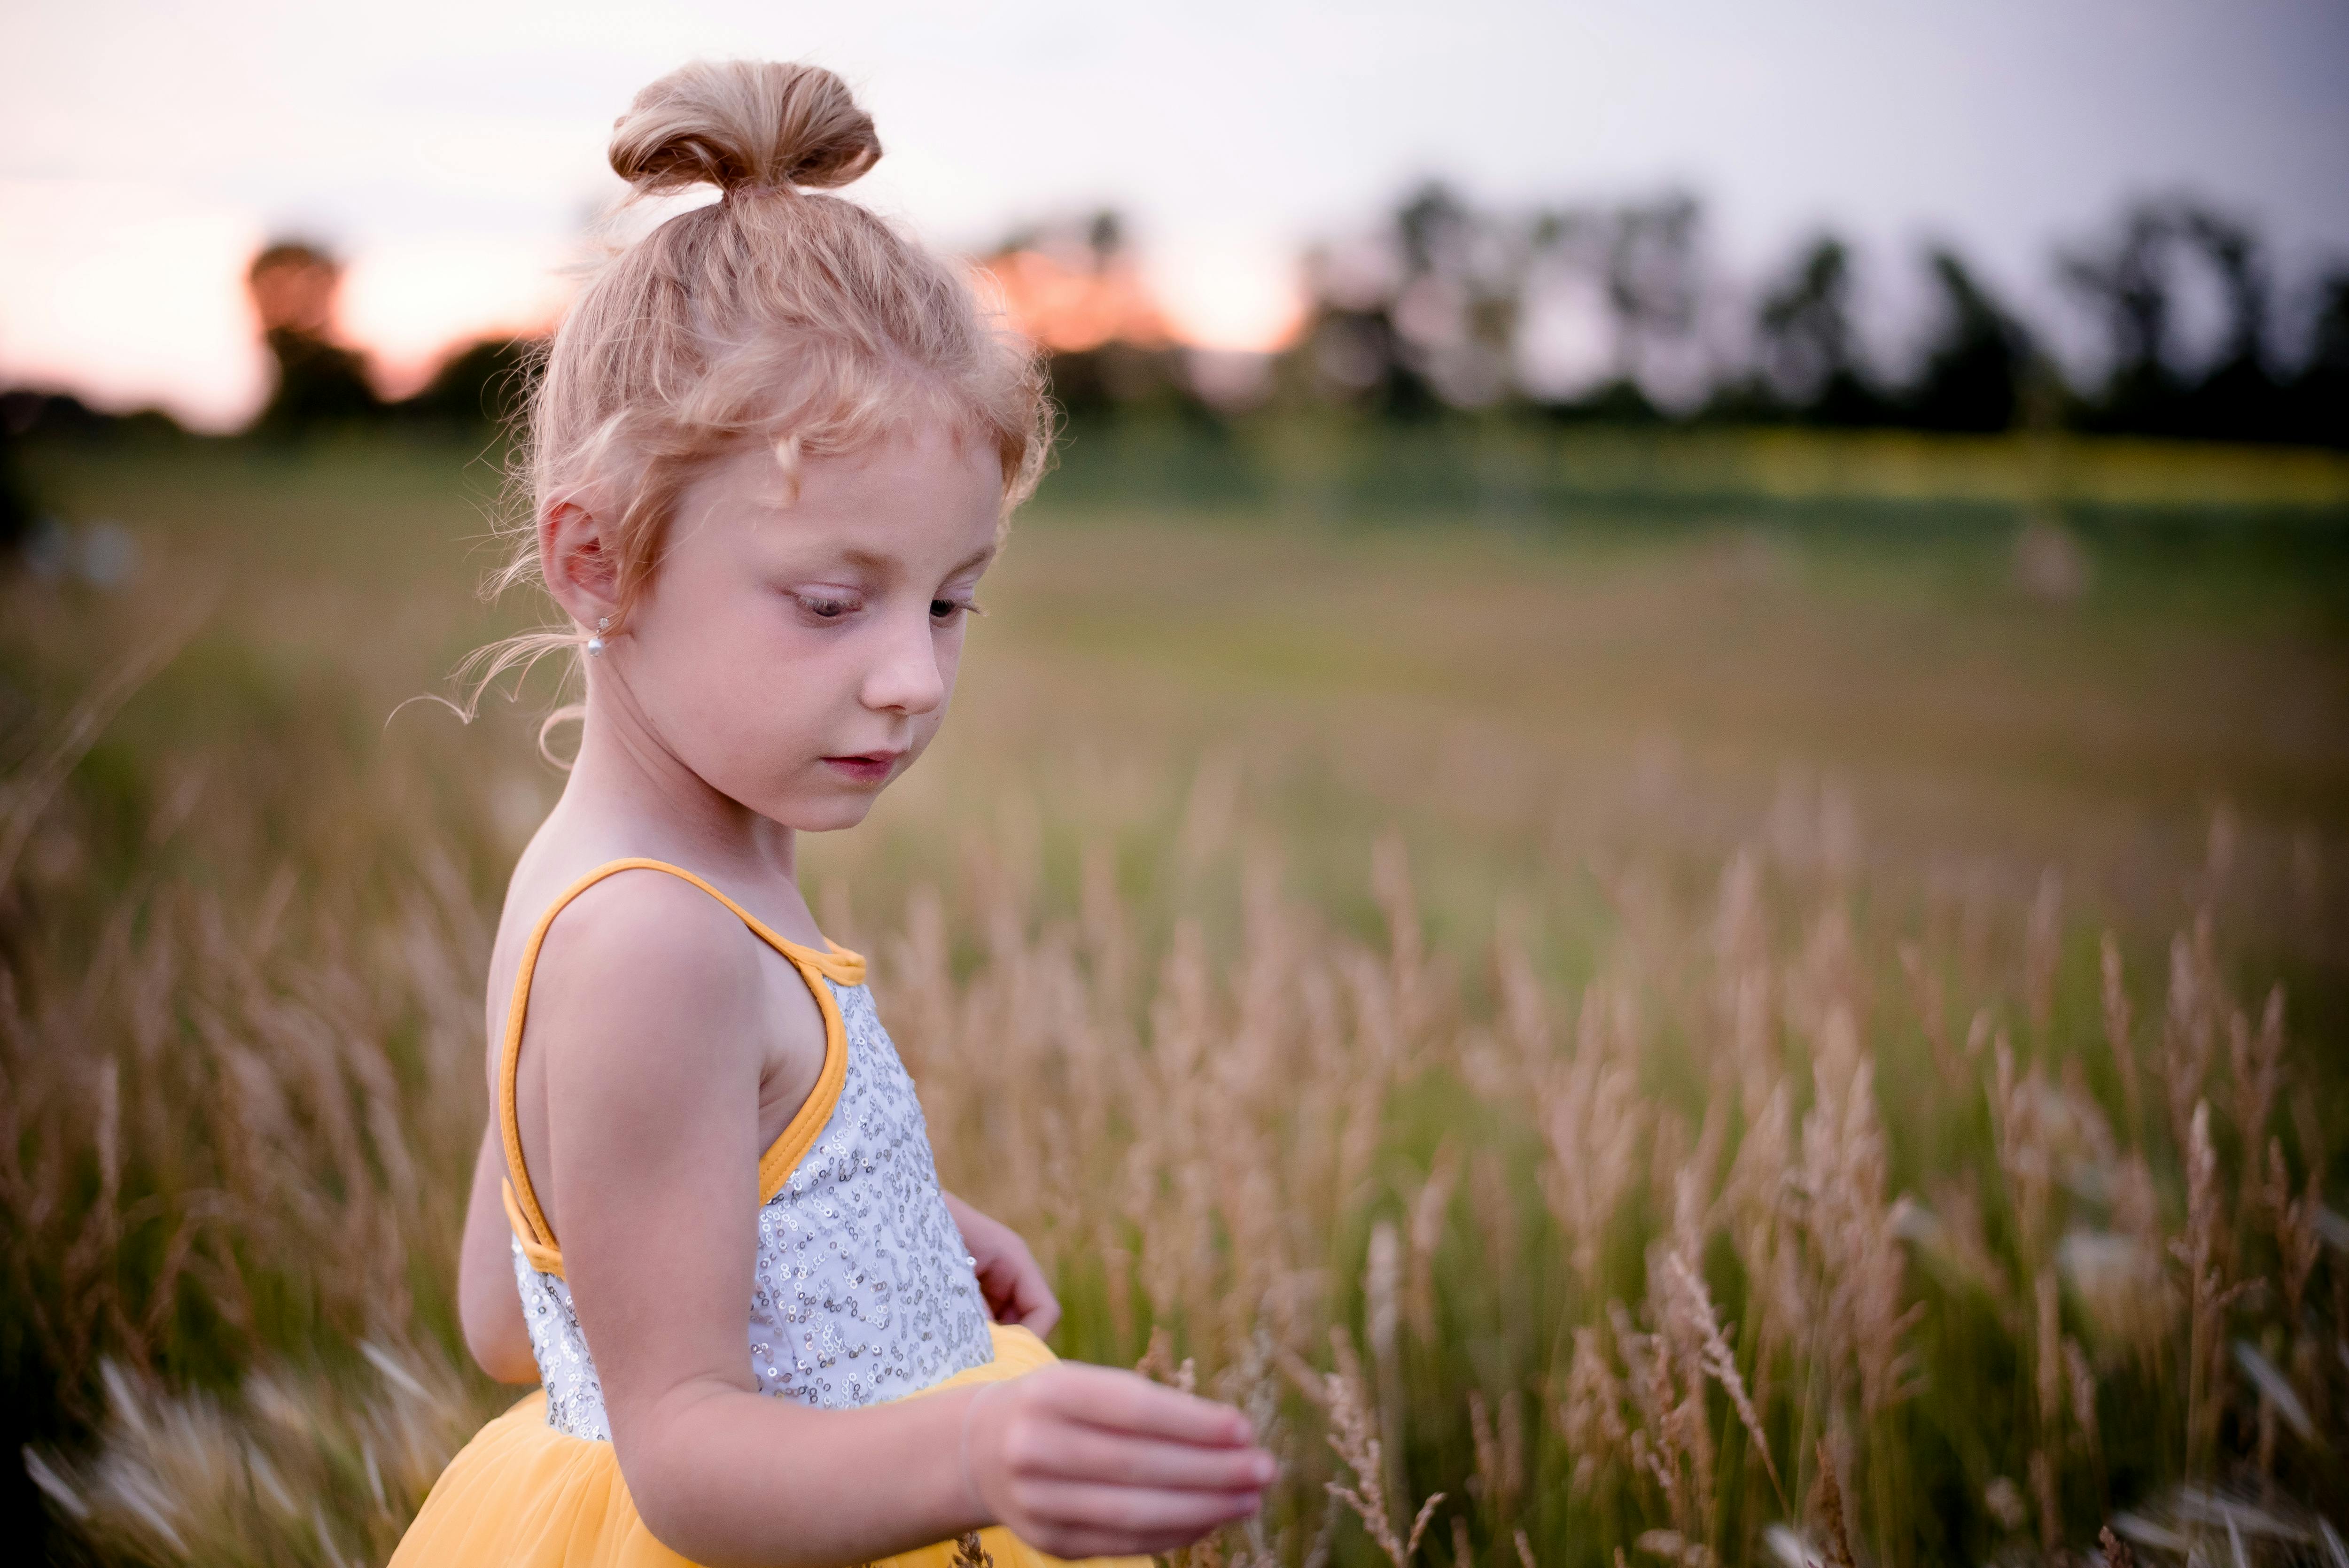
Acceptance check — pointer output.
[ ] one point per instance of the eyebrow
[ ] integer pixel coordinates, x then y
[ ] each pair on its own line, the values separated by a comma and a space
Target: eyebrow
872, 561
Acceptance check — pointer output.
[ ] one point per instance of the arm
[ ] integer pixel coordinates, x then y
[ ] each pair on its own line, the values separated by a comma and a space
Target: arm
649, 1011
488, 1308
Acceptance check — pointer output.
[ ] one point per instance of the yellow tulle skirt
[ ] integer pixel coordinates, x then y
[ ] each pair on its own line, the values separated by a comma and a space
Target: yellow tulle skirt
523, 1495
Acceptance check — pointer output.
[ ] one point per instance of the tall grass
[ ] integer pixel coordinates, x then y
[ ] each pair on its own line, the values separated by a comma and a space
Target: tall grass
1724, 1188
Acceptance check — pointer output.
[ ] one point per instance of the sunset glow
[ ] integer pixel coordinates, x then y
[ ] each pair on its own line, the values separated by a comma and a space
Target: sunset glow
1226, 294
407, 304
130, 296
449, 154
133, 298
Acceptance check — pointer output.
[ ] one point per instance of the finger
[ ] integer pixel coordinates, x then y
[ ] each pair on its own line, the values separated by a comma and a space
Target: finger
1071, 1452
1001, 1290
1136, 1510
1124, 1401
1034, 1303
1001, 1275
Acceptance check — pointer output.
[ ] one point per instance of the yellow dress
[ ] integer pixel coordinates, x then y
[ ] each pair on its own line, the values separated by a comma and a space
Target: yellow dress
863, 1295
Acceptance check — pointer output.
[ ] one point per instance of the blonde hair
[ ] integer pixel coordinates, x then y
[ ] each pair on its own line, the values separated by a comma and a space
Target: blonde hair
776, 314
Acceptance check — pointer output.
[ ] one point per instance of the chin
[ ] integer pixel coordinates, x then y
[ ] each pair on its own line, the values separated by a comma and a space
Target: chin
828, 815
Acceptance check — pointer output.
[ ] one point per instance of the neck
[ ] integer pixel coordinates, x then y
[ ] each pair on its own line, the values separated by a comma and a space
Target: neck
629, 785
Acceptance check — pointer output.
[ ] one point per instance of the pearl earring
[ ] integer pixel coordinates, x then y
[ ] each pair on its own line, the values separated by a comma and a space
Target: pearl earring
596, 642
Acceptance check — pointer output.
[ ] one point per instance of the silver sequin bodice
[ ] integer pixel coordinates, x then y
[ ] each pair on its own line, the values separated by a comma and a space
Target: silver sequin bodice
861, 1291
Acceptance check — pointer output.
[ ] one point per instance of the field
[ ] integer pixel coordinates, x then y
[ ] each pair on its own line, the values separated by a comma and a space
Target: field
1739, 1011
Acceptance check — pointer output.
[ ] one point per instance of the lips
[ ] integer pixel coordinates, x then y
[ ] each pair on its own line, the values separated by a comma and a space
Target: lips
864, 768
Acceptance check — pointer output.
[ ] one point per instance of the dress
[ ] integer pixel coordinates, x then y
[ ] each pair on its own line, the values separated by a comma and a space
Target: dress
861, 1293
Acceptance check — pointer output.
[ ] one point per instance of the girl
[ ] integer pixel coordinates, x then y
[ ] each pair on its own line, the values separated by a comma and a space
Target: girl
772, 456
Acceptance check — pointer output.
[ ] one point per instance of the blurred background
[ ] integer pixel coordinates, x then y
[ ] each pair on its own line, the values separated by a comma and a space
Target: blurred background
1687, 665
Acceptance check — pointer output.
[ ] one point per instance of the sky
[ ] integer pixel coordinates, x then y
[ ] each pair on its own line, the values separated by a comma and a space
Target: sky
451, 152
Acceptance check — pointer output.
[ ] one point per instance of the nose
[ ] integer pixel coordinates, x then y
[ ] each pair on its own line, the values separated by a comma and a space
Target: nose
904, 676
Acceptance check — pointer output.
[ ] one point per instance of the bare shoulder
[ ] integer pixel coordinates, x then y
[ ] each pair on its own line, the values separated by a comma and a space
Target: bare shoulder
643, 942
643, 1053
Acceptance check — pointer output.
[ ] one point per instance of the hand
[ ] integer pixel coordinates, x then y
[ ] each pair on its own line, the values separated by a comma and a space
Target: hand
1008, 1275
1088, 1461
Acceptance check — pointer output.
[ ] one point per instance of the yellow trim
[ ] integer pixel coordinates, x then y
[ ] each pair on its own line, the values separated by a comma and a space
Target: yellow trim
543, 1257
782, 1155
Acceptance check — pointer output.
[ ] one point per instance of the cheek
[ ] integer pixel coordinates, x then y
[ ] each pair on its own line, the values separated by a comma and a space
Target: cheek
729, 673
950, 656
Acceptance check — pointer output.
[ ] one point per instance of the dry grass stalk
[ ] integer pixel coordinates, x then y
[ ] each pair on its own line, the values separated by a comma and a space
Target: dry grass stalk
2082, 1379
1665, 1376
1931, 999
2257, 1060
2042, 950
1672, 1547
2045, 1492
1829, 1509
26, 790
1852, 1226
1352, 1438
2119, 1031
1158, 1364
1429, 1213
2298, 1242
2200, 1250
2189, 1026
1590, 1417
1692, 1305
336, 1466
1592, 1116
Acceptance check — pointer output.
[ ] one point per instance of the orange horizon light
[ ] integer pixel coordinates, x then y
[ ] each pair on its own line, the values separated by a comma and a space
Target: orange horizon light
1069, 309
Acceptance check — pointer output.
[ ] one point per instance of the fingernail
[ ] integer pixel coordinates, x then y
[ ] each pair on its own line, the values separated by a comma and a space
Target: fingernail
1264, 1470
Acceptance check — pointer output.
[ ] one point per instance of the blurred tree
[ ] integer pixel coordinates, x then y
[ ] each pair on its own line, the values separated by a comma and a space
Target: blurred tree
1420, 317
16, 489
2134, 278
1456, 312
35, 415
1354, 353
320, 383
2320, 393
1447, 306
1350, 350
1654, 283
484, 382
1075, 287
2126, 282
2238, 398
1430, 310
1977, 361
1808, 348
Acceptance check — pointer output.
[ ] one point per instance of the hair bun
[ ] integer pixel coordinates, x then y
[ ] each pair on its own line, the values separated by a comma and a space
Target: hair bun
744, 125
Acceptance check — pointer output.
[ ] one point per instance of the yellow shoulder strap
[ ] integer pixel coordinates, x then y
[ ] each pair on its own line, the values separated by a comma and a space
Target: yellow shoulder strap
782, 1155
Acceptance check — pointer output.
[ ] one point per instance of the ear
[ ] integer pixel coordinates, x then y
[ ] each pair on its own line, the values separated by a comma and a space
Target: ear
582, 570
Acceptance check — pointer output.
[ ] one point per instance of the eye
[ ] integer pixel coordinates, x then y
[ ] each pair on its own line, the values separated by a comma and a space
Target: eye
946, 612
823, 608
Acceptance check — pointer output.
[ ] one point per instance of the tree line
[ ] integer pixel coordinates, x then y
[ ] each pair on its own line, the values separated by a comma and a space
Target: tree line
1443, 309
